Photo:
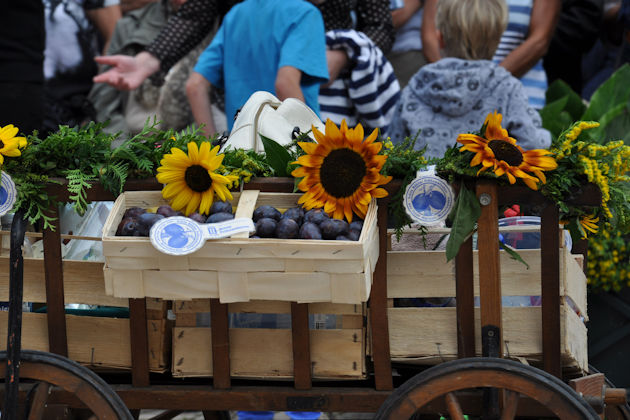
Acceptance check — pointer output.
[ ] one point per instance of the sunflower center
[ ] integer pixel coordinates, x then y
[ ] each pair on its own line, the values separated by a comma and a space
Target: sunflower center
197, 178
341, 172
506, 151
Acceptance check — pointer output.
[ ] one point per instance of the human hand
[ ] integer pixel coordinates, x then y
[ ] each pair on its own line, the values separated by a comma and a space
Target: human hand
337, 61
127, 72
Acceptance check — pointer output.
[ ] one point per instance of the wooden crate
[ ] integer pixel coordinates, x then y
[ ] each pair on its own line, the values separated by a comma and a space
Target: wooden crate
240, 269
94, 341
428, 335
265, 353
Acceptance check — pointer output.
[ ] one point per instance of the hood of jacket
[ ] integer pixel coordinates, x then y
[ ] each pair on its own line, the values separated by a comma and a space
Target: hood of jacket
454, 87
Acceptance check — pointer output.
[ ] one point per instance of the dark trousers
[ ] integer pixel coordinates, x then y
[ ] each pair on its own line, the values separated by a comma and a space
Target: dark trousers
21, 104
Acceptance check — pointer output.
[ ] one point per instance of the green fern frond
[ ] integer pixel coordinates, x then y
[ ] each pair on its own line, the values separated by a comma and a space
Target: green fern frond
78, 183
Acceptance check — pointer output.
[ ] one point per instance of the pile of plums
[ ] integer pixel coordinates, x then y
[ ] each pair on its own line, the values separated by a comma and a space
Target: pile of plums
294, 223
137, 221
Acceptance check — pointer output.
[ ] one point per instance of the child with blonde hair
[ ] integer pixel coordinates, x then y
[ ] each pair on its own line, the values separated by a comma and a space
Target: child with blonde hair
455, 94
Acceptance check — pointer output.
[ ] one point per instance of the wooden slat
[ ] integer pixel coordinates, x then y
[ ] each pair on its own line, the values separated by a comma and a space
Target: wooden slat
489, 268
301, 346
378, 308
139, 342
220, 344
245, 208
465, 301
57, 335
550, 278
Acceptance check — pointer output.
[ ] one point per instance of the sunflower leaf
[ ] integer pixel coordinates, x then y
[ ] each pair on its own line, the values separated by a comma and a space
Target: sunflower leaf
277, 156
512, 253
464, 215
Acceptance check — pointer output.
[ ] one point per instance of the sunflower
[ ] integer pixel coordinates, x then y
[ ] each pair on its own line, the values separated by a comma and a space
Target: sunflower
9, 144
588, 223
497, 150
191, 180
341, 172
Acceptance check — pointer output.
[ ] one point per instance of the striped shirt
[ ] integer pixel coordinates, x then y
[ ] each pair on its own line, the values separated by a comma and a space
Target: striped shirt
535, 80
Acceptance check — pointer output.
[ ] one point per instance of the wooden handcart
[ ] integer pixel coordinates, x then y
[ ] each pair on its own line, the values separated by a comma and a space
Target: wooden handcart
489, 386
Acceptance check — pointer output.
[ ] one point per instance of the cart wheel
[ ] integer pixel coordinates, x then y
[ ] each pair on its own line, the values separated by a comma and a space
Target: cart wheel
49, 369
444, 381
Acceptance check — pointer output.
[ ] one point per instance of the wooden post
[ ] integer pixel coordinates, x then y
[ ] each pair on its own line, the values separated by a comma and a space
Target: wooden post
53, 270
220, 344
465, 298
378, 308
139, 340
489, 270
550, 290
301, 345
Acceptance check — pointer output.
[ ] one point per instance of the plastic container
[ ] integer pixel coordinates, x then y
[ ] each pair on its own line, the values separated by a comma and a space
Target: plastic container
525, 240
303, 415
255, 415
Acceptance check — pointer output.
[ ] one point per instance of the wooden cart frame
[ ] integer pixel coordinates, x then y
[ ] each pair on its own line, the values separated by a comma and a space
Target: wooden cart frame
224, 393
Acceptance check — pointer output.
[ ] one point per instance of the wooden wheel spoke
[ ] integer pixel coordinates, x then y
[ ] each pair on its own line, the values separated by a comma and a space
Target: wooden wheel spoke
454, 408
38, 397
511, 403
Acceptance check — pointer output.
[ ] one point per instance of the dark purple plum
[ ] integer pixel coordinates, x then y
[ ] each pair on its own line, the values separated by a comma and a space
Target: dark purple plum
269, 212
219, 217
266, 227
287, 229
295, 213
354, 235
126, 227
145, 221
356, 225
166, 211
316, 216
133, 212
342, 238
332, 228
310, 231
221, 207
199, 218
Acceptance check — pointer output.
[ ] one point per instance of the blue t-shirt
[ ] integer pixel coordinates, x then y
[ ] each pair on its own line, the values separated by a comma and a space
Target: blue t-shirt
256, 38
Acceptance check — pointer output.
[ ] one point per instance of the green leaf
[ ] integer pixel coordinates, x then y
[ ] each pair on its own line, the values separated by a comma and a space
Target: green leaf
614, 91
550, 115
465, 214
277, 156
574, 105
513, 254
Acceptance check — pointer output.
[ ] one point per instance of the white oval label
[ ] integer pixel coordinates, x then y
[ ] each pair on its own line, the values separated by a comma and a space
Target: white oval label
428, 199
8, 193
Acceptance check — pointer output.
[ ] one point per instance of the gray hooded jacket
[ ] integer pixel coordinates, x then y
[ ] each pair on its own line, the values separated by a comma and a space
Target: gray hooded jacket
454, 96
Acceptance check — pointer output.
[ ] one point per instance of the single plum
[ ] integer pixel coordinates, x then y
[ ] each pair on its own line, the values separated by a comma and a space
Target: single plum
310, 231
126, 227
165, 210
266, 212
266, 227
295, 213
354, 235
219, 217
287, 229
199, 218
133, 212
356, 225
316, 216
332, 228
145, 221
221, 207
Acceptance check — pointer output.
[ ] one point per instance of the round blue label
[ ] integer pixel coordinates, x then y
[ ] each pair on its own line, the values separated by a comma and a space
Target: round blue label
8, 193
428, 199
177, 235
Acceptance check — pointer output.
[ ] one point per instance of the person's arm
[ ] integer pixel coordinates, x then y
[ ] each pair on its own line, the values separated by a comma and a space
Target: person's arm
375, 20
127, 72
198, 93
428, 31
104, 20
542, 25
288, 83
402, 15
